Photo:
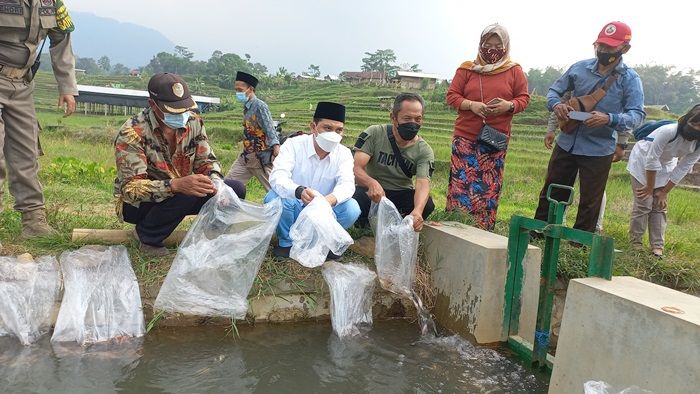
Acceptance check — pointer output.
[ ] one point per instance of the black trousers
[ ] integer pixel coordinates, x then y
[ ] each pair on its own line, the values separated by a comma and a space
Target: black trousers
402, 199
593, 176
155, 221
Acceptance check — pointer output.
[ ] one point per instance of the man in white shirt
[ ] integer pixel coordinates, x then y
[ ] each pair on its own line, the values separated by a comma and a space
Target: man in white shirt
310, 164
657, 163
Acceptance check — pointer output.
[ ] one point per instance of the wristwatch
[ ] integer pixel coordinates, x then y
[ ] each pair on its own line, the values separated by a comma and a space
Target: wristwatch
298, 191
167, 185
512, 107
623, 146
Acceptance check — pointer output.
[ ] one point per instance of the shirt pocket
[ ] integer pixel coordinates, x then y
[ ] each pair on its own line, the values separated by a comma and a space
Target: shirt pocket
12, 15
48, 22
47, 15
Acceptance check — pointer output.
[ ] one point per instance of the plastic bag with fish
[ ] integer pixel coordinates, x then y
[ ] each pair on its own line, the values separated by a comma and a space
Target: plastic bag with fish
101, 301
218, 260
351, 287
316, 232
28, 292
396, 247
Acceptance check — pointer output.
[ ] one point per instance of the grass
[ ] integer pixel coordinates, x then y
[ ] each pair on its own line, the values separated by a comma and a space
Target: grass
78, 169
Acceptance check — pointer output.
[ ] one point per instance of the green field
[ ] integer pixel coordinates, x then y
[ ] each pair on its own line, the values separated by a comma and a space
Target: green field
78, 168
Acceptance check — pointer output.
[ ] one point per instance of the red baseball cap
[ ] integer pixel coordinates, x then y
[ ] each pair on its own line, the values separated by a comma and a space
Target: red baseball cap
614, 34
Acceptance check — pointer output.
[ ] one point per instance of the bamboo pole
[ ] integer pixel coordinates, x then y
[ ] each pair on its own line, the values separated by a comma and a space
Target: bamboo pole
118, 236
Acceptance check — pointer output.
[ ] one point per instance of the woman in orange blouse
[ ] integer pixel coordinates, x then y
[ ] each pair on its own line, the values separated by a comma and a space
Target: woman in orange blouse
488, 90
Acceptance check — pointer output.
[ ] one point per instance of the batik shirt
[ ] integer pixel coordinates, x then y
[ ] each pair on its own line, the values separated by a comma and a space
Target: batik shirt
144, 162
257, 127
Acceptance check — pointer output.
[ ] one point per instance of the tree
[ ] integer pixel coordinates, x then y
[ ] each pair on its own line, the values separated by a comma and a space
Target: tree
314, 71
183, 52
411, 67
539, 81
88, 64
104, 64
382, 60
120, 69
664, 85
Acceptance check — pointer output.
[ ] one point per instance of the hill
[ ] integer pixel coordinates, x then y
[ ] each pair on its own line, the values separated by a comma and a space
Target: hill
126, 43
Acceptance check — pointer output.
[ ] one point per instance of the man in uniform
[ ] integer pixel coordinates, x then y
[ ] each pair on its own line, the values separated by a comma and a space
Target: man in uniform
24, 25
260, 144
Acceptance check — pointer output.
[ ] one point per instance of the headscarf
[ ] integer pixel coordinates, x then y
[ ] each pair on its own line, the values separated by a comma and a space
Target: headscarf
479, 65
687, 131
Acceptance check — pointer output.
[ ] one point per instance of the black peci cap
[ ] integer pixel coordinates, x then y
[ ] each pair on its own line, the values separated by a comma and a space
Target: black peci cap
247, 78
171, 93
328, 110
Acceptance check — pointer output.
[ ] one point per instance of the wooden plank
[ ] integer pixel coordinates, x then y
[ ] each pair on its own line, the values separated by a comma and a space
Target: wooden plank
118, 236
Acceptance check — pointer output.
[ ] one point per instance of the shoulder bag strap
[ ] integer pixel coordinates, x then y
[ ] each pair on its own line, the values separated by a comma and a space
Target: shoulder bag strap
397, 153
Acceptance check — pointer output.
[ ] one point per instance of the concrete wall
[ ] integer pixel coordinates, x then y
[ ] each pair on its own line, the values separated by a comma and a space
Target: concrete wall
469, 268
287, 305
628, 332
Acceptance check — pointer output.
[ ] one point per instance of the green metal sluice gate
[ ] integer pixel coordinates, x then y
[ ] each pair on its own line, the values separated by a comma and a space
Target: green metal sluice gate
600, 263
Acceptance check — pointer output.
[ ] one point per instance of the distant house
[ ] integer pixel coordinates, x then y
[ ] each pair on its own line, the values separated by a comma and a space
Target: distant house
661, 107
357, 77
135, 73
79, 71
415, 80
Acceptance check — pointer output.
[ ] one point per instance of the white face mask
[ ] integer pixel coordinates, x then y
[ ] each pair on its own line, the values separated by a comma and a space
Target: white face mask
328, 140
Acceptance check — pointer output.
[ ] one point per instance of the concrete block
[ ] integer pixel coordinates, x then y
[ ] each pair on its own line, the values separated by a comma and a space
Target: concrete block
469, 268
628, 332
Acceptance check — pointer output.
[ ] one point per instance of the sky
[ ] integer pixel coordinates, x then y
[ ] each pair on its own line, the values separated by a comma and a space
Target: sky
438, 35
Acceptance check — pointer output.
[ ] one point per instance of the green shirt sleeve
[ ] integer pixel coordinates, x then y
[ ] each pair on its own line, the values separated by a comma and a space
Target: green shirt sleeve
366, 140
426, 161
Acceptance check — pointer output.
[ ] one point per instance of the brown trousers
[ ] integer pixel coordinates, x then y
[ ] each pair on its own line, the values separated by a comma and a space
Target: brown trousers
248, 165
593, 176
19, 133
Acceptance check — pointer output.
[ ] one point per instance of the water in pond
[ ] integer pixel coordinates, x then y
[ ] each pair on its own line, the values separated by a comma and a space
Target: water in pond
299, 358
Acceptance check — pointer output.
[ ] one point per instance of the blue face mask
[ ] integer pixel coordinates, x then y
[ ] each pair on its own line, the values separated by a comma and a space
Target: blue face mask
176, 121
240, 96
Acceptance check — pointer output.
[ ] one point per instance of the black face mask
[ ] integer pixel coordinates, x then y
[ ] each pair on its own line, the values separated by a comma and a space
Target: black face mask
408, 131
690, 133
607, 59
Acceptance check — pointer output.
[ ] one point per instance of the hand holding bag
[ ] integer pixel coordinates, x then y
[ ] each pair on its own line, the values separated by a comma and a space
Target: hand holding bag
585, 103
490, 137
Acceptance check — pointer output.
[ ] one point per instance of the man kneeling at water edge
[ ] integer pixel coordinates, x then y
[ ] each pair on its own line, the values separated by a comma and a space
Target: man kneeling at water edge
314, 164
166, 169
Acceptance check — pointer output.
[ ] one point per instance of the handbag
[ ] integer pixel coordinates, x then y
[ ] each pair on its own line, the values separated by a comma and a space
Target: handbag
490, 137
493, 139
586, 103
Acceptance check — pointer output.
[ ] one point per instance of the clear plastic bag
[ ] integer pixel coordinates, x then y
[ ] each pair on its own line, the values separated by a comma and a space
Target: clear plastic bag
219, 258
351, 287
101, 299
28, 293
600, 387
396, 247
316, 232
